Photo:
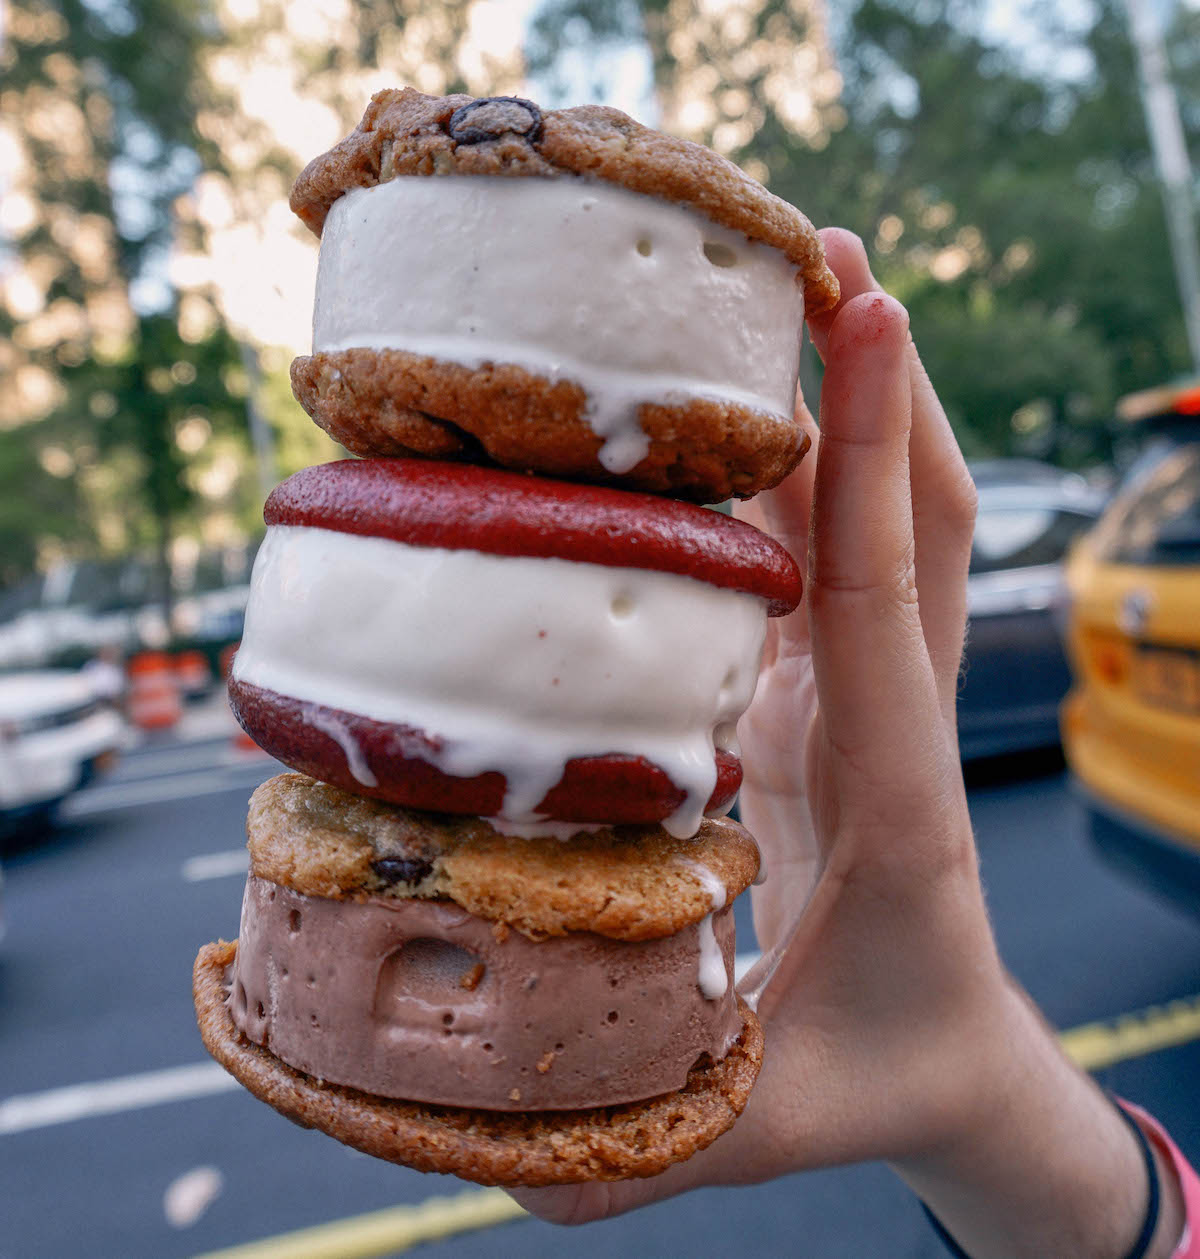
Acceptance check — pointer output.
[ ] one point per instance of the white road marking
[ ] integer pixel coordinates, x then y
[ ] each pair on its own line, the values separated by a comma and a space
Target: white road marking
110, 1097
190, 1195
216, 865
113, 796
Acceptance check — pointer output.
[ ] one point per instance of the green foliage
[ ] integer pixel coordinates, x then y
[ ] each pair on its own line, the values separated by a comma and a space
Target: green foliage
104, 102
139, 405
115, 108
1048, 186
34, 506
128, 71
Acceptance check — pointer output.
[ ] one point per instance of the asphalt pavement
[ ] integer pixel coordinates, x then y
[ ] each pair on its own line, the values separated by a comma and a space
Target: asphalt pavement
119, 1138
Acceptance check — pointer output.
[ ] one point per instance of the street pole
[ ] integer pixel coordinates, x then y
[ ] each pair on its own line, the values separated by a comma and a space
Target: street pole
1171, 156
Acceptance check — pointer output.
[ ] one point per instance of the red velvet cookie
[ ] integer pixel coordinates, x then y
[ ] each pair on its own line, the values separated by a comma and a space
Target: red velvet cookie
505, 513
467, 640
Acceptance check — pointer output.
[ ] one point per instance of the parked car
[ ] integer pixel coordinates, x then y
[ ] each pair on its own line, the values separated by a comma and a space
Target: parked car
55, 734
1131, 726
1015, 671
81, 606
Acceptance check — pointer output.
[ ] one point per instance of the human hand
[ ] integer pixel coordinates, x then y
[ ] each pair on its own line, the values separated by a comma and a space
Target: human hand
852, 785
892, 1030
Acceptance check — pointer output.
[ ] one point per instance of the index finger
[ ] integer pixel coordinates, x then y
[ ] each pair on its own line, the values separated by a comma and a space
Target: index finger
871, 665
943, 497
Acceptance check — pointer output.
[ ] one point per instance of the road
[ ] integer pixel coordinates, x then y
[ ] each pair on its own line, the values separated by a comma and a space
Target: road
159, 1155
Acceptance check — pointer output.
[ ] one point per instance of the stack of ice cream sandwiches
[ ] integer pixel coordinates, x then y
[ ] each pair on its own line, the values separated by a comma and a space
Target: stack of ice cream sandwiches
487, 928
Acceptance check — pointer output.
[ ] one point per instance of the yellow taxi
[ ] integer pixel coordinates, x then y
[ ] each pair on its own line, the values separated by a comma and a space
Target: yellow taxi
1131, 723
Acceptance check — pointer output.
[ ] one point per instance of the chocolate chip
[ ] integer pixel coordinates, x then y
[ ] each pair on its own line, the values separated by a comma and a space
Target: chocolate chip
402, 869
493, 116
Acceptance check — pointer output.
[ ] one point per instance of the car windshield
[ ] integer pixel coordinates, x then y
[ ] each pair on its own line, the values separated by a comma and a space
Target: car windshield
1022, 537
1157, 521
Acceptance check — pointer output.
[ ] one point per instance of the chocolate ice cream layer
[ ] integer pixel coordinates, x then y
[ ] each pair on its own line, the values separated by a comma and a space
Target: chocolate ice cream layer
420, 1000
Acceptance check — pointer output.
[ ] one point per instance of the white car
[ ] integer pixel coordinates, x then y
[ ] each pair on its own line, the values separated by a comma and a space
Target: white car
56, 732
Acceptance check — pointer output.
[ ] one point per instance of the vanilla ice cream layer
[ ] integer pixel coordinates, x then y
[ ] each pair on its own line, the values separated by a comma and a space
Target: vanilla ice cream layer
517, 664
633, 299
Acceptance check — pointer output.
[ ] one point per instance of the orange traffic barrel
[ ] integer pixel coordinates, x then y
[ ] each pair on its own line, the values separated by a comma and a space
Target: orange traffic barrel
192, 671
154, 701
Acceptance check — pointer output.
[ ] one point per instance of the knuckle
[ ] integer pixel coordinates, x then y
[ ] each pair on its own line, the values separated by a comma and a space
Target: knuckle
852, 240
895, 585
940, 849
962, 502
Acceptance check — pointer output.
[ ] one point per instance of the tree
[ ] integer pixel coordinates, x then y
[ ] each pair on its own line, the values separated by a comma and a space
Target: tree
120, 117
146, 411
102, 102
37, 507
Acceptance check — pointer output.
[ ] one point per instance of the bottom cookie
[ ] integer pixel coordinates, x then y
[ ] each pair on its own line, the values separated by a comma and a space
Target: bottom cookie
528, 1149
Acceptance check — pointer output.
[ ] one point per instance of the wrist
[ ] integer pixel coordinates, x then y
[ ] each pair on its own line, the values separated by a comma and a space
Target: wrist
1172, 1212
1172, 1222
1040, 1162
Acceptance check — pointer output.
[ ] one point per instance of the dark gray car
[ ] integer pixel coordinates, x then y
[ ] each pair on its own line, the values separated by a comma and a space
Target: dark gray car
1015, 673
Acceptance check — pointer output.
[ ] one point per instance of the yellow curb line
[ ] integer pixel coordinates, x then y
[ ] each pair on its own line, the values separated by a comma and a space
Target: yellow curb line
1092, 1046
384, 1232
1097, 1045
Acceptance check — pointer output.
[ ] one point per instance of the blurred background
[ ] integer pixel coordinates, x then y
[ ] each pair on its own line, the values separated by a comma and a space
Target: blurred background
1022, 174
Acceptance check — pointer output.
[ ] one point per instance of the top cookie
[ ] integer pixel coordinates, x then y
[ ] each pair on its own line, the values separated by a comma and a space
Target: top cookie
404, 132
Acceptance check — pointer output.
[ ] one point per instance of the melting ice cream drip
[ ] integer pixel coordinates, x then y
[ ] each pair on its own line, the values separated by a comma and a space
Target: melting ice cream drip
612, 414
530, 773
694, 770
528, 776
562, 831
712, 979
337, 730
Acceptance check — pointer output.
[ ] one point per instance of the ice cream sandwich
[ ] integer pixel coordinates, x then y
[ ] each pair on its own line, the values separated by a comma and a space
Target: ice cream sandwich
470, 640
435, 993
564, 291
